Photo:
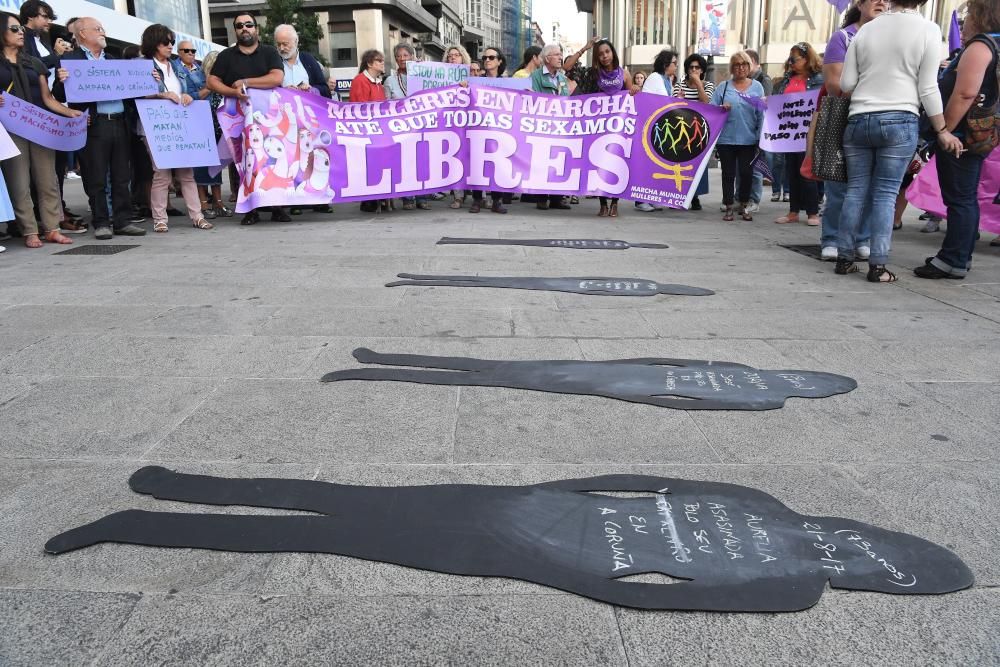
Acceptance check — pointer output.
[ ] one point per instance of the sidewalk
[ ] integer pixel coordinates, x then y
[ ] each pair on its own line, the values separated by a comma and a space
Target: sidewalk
202, 350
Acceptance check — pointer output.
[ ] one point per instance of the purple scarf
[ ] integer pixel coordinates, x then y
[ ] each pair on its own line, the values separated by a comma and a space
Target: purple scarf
610, 82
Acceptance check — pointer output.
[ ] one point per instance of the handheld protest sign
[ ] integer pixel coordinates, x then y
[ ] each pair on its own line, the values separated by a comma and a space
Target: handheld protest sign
594, 286
685, 384
576, 244
739, 549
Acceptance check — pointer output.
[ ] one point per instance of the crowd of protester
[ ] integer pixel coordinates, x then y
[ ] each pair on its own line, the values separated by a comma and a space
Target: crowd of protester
886, 62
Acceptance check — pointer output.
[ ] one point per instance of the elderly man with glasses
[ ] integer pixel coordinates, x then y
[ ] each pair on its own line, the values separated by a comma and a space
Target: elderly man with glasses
109, 143
249, 64
550, 79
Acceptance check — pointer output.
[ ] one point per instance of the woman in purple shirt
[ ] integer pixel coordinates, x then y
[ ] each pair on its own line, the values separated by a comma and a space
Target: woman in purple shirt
606, 76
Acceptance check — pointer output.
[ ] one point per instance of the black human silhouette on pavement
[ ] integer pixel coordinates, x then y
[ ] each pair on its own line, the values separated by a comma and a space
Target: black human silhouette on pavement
575, 244
738, 549
685, 384
596, 286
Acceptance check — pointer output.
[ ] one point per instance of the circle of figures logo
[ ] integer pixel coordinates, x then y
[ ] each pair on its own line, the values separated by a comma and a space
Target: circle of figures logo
679, 135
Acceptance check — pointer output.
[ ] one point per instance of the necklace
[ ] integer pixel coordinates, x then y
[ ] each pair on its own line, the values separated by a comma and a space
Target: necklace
402, 83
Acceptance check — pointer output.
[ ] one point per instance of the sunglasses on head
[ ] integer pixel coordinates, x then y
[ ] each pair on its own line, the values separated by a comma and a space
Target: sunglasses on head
803, 47
190, 51
239, 25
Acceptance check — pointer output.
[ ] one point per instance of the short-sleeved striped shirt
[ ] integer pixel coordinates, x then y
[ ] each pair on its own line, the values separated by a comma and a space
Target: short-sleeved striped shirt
690, 92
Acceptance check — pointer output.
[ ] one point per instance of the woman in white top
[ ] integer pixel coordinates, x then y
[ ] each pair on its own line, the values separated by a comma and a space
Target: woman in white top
890, 72
157, 44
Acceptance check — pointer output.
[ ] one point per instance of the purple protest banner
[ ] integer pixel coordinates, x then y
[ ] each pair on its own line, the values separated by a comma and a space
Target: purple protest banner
100, 80
43, 127
786, 123
7, 147
298, 149
179, 136
225, 157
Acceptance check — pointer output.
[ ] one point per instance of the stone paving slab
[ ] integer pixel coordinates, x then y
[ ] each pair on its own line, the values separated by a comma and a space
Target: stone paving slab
202, 351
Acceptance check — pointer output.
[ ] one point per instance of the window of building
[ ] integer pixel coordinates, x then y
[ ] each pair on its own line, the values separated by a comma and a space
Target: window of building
474, 13
649, 19
182, 15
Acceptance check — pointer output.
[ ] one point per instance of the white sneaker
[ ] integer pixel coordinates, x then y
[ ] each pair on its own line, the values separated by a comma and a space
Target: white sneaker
644, 207
72, 175
753, 207
829, 253
862, 252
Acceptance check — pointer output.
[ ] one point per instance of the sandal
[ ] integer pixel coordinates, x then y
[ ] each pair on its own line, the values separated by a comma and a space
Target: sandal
787, 219
32, 241
160, 226
55, 237
200, 224
603, 213
845, 266
456, 204
897, 225
813, 221
877, 273
728, 215
223, 211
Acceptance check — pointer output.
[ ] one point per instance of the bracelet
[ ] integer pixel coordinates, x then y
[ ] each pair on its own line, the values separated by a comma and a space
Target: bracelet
942, 130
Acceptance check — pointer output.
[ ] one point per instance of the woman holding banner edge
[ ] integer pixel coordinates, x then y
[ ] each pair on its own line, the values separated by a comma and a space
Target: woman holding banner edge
606, 76
494, 65
26, 77
157, 45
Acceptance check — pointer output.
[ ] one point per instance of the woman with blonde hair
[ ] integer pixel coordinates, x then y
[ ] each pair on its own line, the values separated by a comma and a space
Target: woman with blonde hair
456, 55
738, 141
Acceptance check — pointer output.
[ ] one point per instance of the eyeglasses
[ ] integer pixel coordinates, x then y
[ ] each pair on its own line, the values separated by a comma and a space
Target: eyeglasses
16, 28
239, 25
740, 65
99, 29
491, 57
188, 51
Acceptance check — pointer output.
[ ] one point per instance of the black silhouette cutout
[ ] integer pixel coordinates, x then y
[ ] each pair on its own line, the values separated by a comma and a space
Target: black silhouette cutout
595, 286
576, 244
739, 549
685, 384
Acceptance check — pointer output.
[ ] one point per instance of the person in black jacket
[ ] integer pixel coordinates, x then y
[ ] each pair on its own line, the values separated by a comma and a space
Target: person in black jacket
36, 16
297, 63
108, 146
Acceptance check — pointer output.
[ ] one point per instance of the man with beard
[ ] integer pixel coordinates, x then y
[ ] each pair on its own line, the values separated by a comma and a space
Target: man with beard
302, 70
249, 64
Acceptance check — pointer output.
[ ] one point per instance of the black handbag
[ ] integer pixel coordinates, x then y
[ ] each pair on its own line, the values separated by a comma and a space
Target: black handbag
828, 161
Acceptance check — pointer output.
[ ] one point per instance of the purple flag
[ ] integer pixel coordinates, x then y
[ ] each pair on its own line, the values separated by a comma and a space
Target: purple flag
100, 80
296, 148
841, 5
43, 127
760, 165
758, 103
954, 33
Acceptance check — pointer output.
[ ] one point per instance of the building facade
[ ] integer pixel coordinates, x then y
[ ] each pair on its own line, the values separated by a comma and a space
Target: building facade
641, 28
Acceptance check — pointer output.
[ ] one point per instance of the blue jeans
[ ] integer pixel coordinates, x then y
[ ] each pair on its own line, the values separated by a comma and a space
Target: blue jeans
877, 147
830, 230
780, 182
959, 181
756, 188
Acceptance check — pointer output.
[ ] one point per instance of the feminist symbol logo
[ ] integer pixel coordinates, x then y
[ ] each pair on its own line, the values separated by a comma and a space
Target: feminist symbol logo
673, 135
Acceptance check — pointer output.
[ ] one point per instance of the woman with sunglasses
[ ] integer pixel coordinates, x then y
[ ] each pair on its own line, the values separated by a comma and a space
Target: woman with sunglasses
26, 77
606, 76
494, 65
157, 43
696, 87
738, 141
805, 72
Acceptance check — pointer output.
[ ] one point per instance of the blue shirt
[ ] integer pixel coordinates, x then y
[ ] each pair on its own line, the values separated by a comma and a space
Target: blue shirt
743, 123
110, 106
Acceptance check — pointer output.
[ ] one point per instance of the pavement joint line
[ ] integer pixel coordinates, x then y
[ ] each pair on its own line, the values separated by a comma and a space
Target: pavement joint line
184, 416
951, 305
616, 614
454, 426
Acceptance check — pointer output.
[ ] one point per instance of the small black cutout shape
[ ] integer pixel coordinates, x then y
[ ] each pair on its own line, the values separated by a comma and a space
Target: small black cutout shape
735, 548
668, 383
593, 286
575, 244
